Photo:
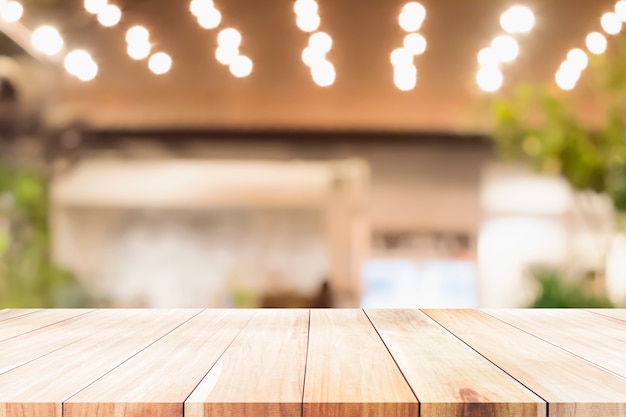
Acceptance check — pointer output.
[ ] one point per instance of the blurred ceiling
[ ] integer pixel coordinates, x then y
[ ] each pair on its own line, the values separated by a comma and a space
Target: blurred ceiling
280, 94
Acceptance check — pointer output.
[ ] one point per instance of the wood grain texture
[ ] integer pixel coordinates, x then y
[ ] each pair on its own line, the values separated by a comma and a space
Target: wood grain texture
349, 371
572, 386
10, 313
605, 346
156, 381
38, 388
619, 314
36, 320
261, 373
448, 377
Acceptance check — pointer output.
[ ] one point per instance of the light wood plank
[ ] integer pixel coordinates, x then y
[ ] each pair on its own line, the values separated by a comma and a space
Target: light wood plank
616, 313
157, 381
448, 377
36, 320
572, 386
10, 313
38, 388
349, 371
598, 339
261, 373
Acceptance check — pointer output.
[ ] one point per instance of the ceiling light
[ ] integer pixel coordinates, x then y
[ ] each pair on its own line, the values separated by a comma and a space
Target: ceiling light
160, 63
412, 16
611, 23
47, 40
321, 41
505, 48
518, 19
12, 12
241, 66
110, 15
415, 43
596, 43
229, 37
489, 79
309, 22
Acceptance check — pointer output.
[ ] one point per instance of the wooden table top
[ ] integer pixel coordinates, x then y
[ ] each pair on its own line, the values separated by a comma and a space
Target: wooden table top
312, 363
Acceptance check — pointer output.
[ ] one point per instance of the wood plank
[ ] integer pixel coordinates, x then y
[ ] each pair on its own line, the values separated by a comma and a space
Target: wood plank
448, 377
10, 313
616, 313
605, 346
572, 386
38, 388
350, 372
261, 373
28, 322
157, 381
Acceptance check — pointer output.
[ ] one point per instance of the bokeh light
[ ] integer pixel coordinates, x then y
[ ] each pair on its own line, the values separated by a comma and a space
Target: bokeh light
210, 19
505, 48
415, 43
489, 79
312, 56
323, 74
110, 15
620, 10
405, 77
488, 58
517, 19
229, 37
596, 43
401, 57
200, 7
412, 16
226, 55
160, 63
138, 50
578, 58
241, 66
12, 12
80, 64
321, 41
95, 6
137, 34
47, 40
611, 23
308, 23
305, 7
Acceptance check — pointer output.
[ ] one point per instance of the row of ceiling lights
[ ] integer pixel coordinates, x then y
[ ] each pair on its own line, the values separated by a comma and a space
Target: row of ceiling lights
320, 43
577, 60
228, 39
410, 20
504, 48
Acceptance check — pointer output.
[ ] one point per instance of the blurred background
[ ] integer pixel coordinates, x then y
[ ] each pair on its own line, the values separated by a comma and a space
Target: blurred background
263, 153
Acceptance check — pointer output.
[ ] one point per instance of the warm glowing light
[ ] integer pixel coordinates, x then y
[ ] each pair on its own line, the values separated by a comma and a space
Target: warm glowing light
321, 41
611, 23
229, 37
241, 66
401, 57
305, 7
80, 64
489, 79
596, 43
110, 15
323, 74
578, 59
47, 39
138, 50
405, 77
518, 19
12, 12
567, 77
488, 58
94, 6
200, 7
210, 19
415, 43
137, 34
505, 48
312, 56
160, 63
620, 10
309, 22
412, 16
226, 55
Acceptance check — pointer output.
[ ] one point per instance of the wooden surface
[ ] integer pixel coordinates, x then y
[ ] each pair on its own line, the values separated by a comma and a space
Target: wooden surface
312, 363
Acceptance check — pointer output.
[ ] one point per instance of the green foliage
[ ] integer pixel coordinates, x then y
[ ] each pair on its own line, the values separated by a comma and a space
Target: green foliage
28, 278
538, 125
555, 292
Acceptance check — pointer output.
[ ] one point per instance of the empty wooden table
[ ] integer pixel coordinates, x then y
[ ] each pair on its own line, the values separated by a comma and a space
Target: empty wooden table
312, 363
